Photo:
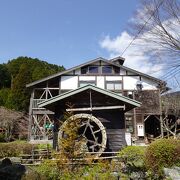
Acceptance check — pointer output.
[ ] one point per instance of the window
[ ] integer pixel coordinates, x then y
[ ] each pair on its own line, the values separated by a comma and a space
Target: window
89, 70
129, 123
84, 70
115, 86
116, 70
93, 69
84, 83
110, 86
107, 69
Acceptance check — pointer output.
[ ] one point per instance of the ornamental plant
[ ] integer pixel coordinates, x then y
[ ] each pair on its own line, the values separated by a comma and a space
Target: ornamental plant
162, 153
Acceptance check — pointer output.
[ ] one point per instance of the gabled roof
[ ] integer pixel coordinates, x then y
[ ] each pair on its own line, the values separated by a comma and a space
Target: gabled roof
131, 102
118, 60
91, 62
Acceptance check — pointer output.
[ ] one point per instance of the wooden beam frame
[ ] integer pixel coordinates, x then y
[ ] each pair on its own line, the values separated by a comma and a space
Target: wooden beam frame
96, 108
147, 118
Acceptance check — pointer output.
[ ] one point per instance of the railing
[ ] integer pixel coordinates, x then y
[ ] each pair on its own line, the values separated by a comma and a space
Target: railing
35, 103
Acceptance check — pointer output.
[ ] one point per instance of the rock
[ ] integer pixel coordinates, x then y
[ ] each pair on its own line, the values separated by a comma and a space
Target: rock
6, 162
173, 173
9, 171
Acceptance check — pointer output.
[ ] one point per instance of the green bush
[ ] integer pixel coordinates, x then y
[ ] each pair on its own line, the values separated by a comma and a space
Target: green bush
132, 154
2, 137
162, 153
133, 159
50, 169
44, 146
14, 149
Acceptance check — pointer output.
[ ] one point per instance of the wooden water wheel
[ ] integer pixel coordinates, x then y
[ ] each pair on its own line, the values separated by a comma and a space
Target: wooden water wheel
91, 129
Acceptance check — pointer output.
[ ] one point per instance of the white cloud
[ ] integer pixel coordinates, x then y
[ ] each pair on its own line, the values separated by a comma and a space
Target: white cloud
136, 56
149, 53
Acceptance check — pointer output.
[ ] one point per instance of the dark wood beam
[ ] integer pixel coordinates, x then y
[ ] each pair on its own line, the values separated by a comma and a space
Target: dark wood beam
96, 108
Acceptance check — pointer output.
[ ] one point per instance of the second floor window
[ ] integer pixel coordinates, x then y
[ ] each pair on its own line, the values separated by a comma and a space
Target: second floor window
93, 69
116, 70
114, 85
107, 69
90, 70
84, 70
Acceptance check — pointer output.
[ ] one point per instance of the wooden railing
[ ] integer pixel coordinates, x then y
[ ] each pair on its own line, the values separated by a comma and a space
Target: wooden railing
35, 103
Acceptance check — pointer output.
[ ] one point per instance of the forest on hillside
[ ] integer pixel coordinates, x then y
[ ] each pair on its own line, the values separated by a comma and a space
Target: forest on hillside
15, 74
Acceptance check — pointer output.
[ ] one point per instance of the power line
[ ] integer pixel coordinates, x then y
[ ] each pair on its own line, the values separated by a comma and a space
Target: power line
164, 68
170, 72
142, 28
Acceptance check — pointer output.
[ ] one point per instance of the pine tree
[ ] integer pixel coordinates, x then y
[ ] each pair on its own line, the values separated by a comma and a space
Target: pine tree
19, 97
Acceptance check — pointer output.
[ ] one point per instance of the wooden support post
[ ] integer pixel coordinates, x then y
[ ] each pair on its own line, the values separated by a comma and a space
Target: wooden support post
134, 113
161, 119
30, 116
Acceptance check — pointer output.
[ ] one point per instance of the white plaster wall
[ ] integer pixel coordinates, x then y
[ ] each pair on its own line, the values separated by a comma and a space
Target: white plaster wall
69, 82
78, 71
100, 82
122, 72
130, 73
130, 82
113, 78
147, 84
87, 78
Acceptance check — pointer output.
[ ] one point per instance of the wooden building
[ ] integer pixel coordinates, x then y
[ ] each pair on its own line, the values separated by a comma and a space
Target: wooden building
117, 103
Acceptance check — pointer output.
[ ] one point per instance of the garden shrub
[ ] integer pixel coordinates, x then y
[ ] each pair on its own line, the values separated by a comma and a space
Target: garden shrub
133, 159
2, 137
162, 153
132, 154
44, 146
50, 169
14, 149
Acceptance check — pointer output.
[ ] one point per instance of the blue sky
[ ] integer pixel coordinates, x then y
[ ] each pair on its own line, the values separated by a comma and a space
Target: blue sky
63, 32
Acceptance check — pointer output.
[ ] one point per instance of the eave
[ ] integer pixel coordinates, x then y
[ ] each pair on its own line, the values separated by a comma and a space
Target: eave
130, 102
94, 61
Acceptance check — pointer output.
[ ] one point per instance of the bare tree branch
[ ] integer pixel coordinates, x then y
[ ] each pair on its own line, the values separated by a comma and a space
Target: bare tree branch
162, 31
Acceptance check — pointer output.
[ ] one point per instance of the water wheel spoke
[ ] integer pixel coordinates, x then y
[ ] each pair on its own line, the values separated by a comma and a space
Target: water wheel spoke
94, 143
91, 141
94, 146
83, 124
99, 145
97, 131
87, 124
92, 132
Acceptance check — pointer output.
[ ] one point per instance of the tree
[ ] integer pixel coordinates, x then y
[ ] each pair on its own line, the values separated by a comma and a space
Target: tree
39, 69
4, 92
157, 28
19, 97
13, 122
171, 112
21, 71
5, 78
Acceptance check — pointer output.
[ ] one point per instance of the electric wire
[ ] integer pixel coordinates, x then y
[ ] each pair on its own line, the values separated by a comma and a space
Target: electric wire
170, 72
144, 25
